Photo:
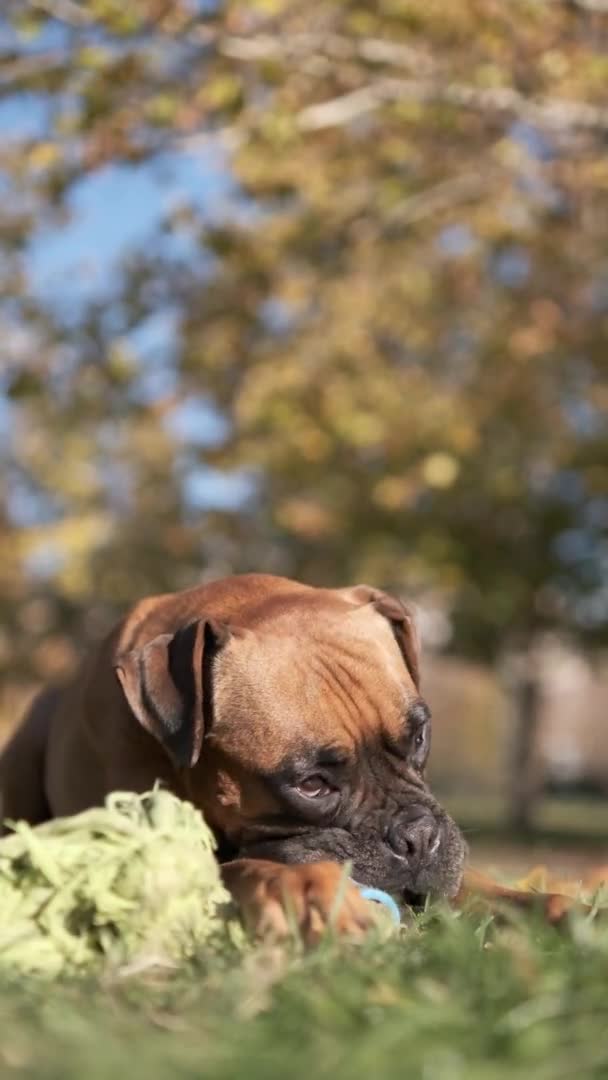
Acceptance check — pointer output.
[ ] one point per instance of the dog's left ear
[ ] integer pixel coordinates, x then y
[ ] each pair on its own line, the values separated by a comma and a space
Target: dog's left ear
401, 620
164, 684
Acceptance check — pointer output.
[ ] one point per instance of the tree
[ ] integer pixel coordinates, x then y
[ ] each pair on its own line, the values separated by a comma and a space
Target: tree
400, 318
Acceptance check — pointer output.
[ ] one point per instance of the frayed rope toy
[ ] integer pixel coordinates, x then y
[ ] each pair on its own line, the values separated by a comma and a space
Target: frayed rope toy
126, 886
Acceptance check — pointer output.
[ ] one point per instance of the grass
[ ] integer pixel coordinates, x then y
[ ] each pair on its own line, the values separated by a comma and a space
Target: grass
452, 997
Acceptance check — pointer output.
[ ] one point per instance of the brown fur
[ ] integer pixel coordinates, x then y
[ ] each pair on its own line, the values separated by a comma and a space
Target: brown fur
292, 667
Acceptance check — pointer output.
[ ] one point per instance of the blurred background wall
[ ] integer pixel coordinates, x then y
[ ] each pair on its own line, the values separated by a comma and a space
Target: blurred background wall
320, 289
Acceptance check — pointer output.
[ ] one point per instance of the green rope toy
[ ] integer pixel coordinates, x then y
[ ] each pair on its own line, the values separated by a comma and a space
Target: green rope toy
125, 886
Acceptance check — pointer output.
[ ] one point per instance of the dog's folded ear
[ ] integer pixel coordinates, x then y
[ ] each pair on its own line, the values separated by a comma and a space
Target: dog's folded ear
164, 684
401, 619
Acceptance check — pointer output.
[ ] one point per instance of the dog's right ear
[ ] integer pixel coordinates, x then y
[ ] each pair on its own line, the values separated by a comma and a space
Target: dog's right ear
400, 618
163, 682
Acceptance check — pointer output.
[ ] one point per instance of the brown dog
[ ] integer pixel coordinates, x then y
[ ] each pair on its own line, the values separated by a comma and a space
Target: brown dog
291, 716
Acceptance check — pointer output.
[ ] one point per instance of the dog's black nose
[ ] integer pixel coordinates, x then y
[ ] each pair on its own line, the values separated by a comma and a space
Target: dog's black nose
414, 835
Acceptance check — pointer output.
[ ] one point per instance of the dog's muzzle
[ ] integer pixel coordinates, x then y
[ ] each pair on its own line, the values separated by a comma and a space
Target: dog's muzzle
416, 853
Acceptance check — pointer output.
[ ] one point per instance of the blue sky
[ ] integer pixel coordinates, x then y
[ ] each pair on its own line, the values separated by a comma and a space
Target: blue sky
113, 213
113, 210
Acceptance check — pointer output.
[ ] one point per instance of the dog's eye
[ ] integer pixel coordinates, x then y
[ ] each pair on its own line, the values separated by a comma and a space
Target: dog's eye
313, 787
420, 745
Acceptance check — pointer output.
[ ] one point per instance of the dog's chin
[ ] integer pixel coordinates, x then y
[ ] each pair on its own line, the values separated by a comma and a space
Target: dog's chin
413, 886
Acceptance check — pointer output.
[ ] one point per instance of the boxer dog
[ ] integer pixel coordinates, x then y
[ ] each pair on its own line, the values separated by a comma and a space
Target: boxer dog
291, 716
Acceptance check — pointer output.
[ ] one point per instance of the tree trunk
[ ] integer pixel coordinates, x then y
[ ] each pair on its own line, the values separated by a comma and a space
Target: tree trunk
524, 778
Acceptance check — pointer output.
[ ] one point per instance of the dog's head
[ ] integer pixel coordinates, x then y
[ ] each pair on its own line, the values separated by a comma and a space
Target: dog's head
303, 734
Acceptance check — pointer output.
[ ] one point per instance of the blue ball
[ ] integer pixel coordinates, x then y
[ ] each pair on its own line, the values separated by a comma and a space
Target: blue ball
381, 897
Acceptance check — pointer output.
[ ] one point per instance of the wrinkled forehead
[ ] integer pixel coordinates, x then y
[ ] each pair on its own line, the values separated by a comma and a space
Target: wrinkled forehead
334, 681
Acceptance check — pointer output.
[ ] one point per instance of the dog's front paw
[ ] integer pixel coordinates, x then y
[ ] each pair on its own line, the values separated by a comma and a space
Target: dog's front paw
273, 898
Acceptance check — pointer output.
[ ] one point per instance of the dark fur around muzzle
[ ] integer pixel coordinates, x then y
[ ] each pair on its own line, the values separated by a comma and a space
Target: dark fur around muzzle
418, 853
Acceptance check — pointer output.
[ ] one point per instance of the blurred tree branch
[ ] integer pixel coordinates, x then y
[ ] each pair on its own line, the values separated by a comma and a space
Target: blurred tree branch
23, 68
334, 46
555, 115
67, 11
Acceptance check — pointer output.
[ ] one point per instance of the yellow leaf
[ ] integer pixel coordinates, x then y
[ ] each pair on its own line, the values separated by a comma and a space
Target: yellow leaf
93, 56
440, 470
43, 155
